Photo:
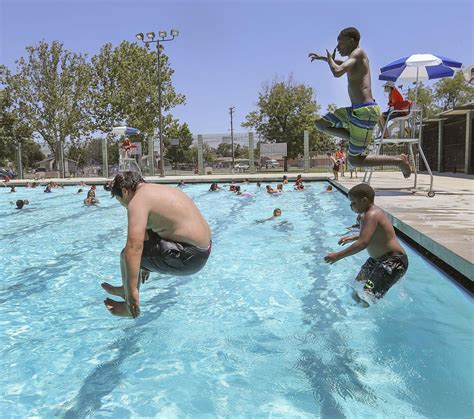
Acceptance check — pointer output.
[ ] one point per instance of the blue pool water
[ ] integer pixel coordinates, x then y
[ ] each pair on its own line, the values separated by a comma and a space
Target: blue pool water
265, 329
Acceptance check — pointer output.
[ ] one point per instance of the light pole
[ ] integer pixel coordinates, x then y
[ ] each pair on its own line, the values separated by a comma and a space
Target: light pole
231, 111
162, 37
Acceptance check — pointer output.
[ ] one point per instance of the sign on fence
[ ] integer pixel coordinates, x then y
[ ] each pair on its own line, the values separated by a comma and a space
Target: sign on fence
273, 149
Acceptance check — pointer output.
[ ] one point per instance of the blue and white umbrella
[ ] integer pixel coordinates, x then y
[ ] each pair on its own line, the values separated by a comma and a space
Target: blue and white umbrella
419, 67
125, 131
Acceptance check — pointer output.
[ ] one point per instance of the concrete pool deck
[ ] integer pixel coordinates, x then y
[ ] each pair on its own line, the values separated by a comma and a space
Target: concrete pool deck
443, 225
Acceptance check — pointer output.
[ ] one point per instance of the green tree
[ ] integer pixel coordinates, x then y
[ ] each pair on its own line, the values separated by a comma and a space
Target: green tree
451, 92
224, 150
425, 99
13, 133
331, 107
125, 88
177, 153
50, 93
285, 110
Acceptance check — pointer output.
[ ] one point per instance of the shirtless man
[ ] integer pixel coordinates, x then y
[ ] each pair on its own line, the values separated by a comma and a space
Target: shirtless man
166, 234
357, 122
388, 261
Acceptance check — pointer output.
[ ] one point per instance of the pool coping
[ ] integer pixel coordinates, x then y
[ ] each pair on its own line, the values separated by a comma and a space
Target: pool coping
457, 267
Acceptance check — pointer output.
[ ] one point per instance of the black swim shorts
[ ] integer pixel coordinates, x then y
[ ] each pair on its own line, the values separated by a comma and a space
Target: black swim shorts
169, 257
380, 274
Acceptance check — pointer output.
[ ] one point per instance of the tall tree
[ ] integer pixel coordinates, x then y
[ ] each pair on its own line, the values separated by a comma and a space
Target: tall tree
14, 132
125, 88
177, 153
425, 99
451, 92
285, 110
50, 93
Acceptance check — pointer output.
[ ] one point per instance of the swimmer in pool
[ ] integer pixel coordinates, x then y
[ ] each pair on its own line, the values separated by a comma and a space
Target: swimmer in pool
270, 190
166, 233
388, 261
276, 214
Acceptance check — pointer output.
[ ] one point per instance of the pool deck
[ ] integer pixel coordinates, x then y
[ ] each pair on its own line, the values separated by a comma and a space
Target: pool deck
443, 225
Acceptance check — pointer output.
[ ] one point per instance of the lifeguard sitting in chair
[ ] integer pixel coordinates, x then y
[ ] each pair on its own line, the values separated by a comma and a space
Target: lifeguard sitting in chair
396, 102
125, 148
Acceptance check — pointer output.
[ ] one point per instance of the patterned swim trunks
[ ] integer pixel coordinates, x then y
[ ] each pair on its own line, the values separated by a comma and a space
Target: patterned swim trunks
380, 274
360, 120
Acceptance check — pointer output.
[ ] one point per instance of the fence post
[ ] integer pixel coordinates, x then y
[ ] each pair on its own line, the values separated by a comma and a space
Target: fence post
151, 154
200, 155
105, 159
468, 151
306, 151
19, 162
440, 144
251, 154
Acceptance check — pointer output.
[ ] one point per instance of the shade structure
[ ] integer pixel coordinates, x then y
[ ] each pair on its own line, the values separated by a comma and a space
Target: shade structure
125, 131
419, 67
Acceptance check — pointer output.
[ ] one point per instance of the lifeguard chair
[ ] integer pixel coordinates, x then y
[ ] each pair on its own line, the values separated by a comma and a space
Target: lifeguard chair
126, 163
403, 130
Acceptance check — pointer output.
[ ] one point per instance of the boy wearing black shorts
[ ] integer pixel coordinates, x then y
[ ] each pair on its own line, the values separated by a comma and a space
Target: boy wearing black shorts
388, 261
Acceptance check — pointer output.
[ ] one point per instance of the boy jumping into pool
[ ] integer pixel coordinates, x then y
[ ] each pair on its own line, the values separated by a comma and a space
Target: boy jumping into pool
388, 261
356, 123
166, 234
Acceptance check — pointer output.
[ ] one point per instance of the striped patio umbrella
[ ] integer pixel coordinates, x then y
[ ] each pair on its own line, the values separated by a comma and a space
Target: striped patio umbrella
125, 131
419, 67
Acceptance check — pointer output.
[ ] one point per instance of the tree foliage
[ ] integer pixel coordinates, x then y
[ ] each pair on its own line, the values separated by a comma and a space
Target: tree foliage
285, 110
49, 93
451, 92
14, 132
125, 88
177, 153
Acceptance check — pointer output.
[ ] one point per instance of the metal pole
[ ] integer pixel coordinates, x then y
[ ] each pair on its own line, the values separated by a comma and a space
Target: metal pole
232, 135
18, 160
105, 159
162, 156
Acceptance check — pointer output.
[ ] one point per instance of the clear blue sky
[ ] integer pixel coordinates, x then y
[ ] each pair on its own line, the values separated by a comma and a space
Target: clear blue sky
227, 49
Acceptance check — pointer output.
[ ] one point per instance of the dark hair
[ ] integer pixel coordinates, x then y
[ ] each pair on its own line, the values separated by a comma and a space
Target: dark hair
362, 190
20, 203
126, 180
351, 33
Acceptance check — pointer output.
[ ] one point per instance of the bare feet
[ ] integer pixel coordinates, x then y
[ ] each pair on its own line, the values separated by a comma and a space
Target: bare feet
118, 291
405, 166
117, 308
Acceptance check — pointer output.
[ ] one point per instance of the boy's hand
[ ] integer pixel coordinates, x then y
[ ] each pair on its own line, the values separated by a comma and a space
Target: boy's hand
331, 258
133, 303
346, 239
316, 56
330, 56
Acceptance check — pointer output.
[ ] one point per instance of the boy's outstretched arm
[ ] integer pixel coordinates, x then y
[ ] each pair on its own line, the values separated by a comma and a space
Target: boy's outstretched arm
362, 241
316, 56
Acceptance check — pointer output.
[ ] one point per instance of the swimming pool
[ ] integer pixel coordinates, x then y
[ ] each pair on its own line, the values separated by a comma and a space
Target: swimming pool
265, 329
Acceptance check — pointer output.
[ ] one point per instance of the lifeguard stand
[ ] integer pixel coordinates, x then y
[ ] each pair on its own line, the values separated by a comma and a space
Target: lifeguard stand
126, 163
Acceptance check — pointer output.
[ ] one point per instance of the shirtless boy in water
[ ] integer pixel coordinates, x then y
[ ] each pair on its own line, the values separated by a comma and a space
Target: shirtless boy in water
356, 123
388, 261
166, 234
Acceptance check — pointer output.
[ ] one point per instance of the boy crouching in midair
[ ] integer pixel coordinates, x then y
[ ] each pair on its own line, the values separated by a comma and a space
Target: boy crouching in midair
388, 261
